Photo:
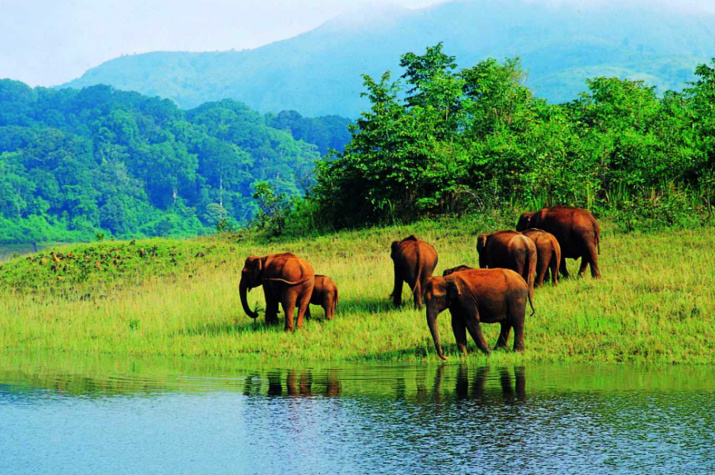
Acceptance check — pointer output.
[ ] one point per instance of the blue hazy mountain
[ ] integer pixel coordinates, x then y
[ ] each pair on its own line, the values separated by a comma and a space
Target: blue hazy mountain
319, 72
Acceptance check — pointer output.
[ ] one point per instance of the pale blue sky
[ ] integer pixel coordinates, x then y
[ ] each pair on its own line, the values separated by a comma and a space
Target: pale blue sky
49, 42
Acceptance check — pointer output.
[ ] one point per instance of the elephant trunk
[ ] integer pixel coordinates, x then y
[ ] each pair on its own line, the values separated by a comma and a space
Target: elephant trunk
243, 290
432, 322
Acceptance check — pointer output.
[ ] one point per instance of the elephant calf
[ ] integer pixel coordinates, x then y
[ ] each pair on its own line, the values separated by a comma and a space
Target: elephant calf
325, 294
414, 262
548, 254
474, 296
509, 250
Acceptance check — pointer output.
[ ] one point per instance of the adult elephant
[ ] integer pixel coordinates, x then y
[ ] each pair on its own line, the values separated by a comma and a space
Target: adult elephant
576, 230
510, 250
548, 255
414, 262
478, 296
286, 279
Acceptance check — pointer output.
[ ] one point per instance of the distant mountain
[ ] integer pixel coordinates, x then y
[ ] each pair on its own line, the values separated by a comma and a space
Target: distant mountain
319, 72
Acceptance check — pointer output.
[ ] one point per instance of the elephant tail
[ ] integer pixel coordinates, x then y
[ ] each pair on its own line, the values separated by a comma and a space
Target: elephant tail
418, 271
530, 266
289, 282
337, 298
531, 304
597, 234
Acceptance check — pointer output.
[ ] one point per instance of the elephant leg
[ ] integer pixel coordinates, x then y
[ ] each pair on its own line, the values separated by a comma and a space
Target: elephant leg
329, 308
554, 269
563, 268
303, 304
271, 307
593, 261
541, 275
307, 313
584, 265
518, 335
397, 290
503, 335
417, 294
289, 302
476, 331
460, 333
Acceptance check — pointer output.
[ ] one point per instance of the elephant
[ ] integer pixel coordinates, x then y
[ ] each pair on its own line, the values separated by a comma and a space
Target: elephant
325, 294
455, 269
414, 262
509, 250
548, 255
576, 230
286, 279
474, 296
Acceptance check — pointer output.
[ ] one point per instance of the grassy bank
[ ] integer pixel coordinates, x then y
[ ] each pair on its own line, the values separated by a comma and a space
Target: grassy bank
654, 303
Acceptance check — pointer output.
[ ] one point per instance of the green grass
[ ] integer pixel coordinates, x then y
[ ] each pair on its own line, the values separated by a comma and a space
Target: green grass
654, 303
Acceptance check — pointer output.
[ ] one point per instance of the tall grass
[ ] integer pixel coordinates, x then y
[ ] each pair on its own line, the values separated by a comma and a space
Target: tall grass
654, 303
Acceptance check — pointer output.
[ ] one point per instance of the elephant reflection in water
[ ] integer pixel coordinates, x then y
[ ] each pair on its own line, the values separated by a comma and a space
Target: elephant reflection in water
301, 384
477, 389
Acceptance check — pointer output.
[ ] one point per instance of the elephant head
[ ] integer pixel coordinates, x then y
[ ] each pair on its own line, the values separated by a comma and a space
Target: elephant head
440, 293
525, 221
251, 276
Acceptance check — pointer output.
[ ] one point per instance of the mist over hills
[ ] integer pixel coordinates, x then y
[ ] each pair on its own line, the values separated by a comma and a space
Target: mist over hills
319, 72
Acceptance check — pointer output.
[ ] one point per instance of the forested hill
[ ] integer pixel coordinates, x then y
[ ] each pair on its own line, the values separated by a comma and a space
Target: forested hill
560, 44
77, 163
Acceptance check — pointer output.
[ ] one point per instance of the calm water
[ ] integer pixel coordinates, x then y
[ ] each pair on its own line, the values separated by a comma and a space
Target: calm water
167, 417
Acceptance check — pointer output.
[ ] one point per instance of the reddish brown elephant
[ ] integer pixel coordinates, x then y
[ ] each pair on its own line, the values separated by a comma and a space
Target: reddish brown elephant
478, 296
325, 294
509, 250
576, 230
548, 255
414, 262
286, 279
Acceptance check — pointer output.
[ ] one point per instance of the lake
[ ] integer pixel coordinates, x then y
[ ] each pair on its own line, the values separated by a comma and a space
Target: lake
116, 415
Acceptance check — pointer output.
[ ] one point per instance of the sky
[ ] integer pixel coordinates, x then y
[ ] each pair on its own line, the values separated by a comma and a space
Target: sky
50, 42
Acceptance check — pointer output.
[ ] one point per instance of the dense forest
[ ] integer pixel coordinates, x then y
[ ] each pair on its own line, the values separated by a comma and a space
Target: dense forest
443, 140
77, 164
82, 164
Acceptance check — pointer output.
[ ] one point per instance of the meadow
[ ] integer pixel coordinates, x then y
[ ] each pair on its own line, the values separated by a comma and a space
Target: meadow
163, 297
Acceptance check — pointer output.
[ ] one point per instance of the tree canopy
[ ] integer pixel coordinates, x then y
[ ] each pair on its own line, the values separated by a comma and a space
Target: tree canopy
74, 163
443, 140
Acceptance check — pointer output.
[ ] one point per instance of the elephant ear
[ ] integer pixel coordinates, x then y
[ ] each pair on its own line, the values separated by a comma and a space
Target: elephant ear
254, 263
393, 248
482, 242
454, 289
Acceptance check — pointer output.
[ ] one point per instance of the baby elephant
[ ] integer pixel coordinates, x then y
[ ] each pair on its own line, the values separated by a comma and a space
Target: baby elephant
325, 294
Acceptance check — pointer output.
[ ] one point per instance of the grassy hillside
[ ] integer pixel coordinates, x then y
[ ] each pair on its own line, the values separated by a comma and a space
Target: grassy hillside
317, 73
654, 303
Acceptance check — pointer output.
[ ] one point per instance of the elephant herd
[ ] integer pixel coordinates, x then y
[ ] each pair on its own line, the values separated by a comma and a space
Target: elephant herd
511, 264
